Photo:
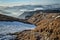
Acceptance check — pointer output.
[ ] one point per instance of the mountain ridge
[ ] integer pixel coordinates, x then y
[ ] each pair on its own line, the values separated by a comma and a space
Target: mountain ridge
11, 19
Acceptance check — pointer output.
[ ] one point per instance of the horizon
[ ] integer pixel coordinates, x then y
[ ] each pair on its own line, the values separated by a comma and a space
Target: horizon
27, 2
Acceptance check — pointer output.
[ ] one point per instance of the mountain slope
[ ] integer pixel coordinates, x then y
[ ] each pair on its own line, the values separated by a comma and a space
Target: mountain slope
11, 19
47, 27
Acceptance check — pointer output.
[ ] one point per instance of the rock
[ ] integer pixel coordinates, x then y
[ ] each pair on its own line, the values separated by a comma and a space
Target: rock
47, 27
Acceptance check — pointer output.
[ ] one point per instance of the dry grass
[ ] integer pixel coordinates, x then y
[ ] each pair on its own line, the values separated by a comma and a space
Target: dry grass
48, 28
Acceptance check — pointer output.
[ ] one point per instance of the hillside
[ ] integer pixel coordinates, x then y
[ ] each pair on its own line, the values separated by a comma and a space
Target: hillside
47, 27
11, 19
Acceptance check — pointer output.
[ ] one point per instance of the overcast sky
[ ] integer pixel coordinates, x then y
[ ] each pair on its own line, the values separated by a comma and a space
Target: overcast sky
27, 2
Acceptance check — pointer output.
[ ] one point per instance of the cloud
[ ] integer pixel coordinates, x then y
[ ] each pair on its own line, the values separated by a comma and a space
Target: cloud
27, 2
18, 4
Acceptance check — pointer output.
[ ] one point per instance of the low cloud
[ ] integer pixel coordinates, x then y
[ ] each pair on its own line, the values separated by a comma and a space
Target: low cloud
18, 4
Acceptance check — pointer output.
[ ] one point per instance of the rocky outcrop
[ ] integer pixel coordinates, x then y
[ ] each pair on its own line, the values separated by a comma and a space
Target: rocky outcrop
47, 27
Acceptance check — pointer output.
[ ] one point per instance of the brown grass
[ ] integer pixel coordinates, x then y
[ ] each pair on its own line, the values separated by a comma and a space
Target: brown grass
48, 28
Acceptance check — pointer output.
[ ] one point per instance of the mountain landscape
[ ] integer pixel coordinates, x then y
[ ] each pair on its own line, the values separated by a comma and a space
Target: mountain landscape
47, 27
30, 22
15, 10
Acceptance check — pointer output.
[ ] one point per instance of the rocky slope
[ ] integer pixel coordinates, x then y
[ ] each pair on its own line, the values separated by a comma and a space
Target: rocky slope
47, 27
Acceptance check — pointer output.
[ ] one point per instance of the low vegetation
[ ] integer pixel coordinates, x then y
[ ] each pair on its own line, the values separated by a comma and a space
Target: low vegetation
47, 27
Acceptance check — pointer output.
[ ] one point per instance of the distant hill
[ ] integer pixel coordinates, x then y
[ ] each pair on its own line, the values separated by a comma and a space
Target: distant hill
34, 7
27, 15
11, 19
7, 18
24, 10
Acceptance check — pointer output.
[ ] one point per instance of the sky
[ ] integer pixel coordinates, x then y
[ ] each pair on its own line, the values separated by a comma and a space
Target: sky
27, 2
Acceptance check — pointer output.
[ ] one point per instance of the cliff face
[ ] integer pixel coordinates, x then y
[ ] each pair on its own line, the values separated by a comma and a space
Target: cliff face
47, 27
